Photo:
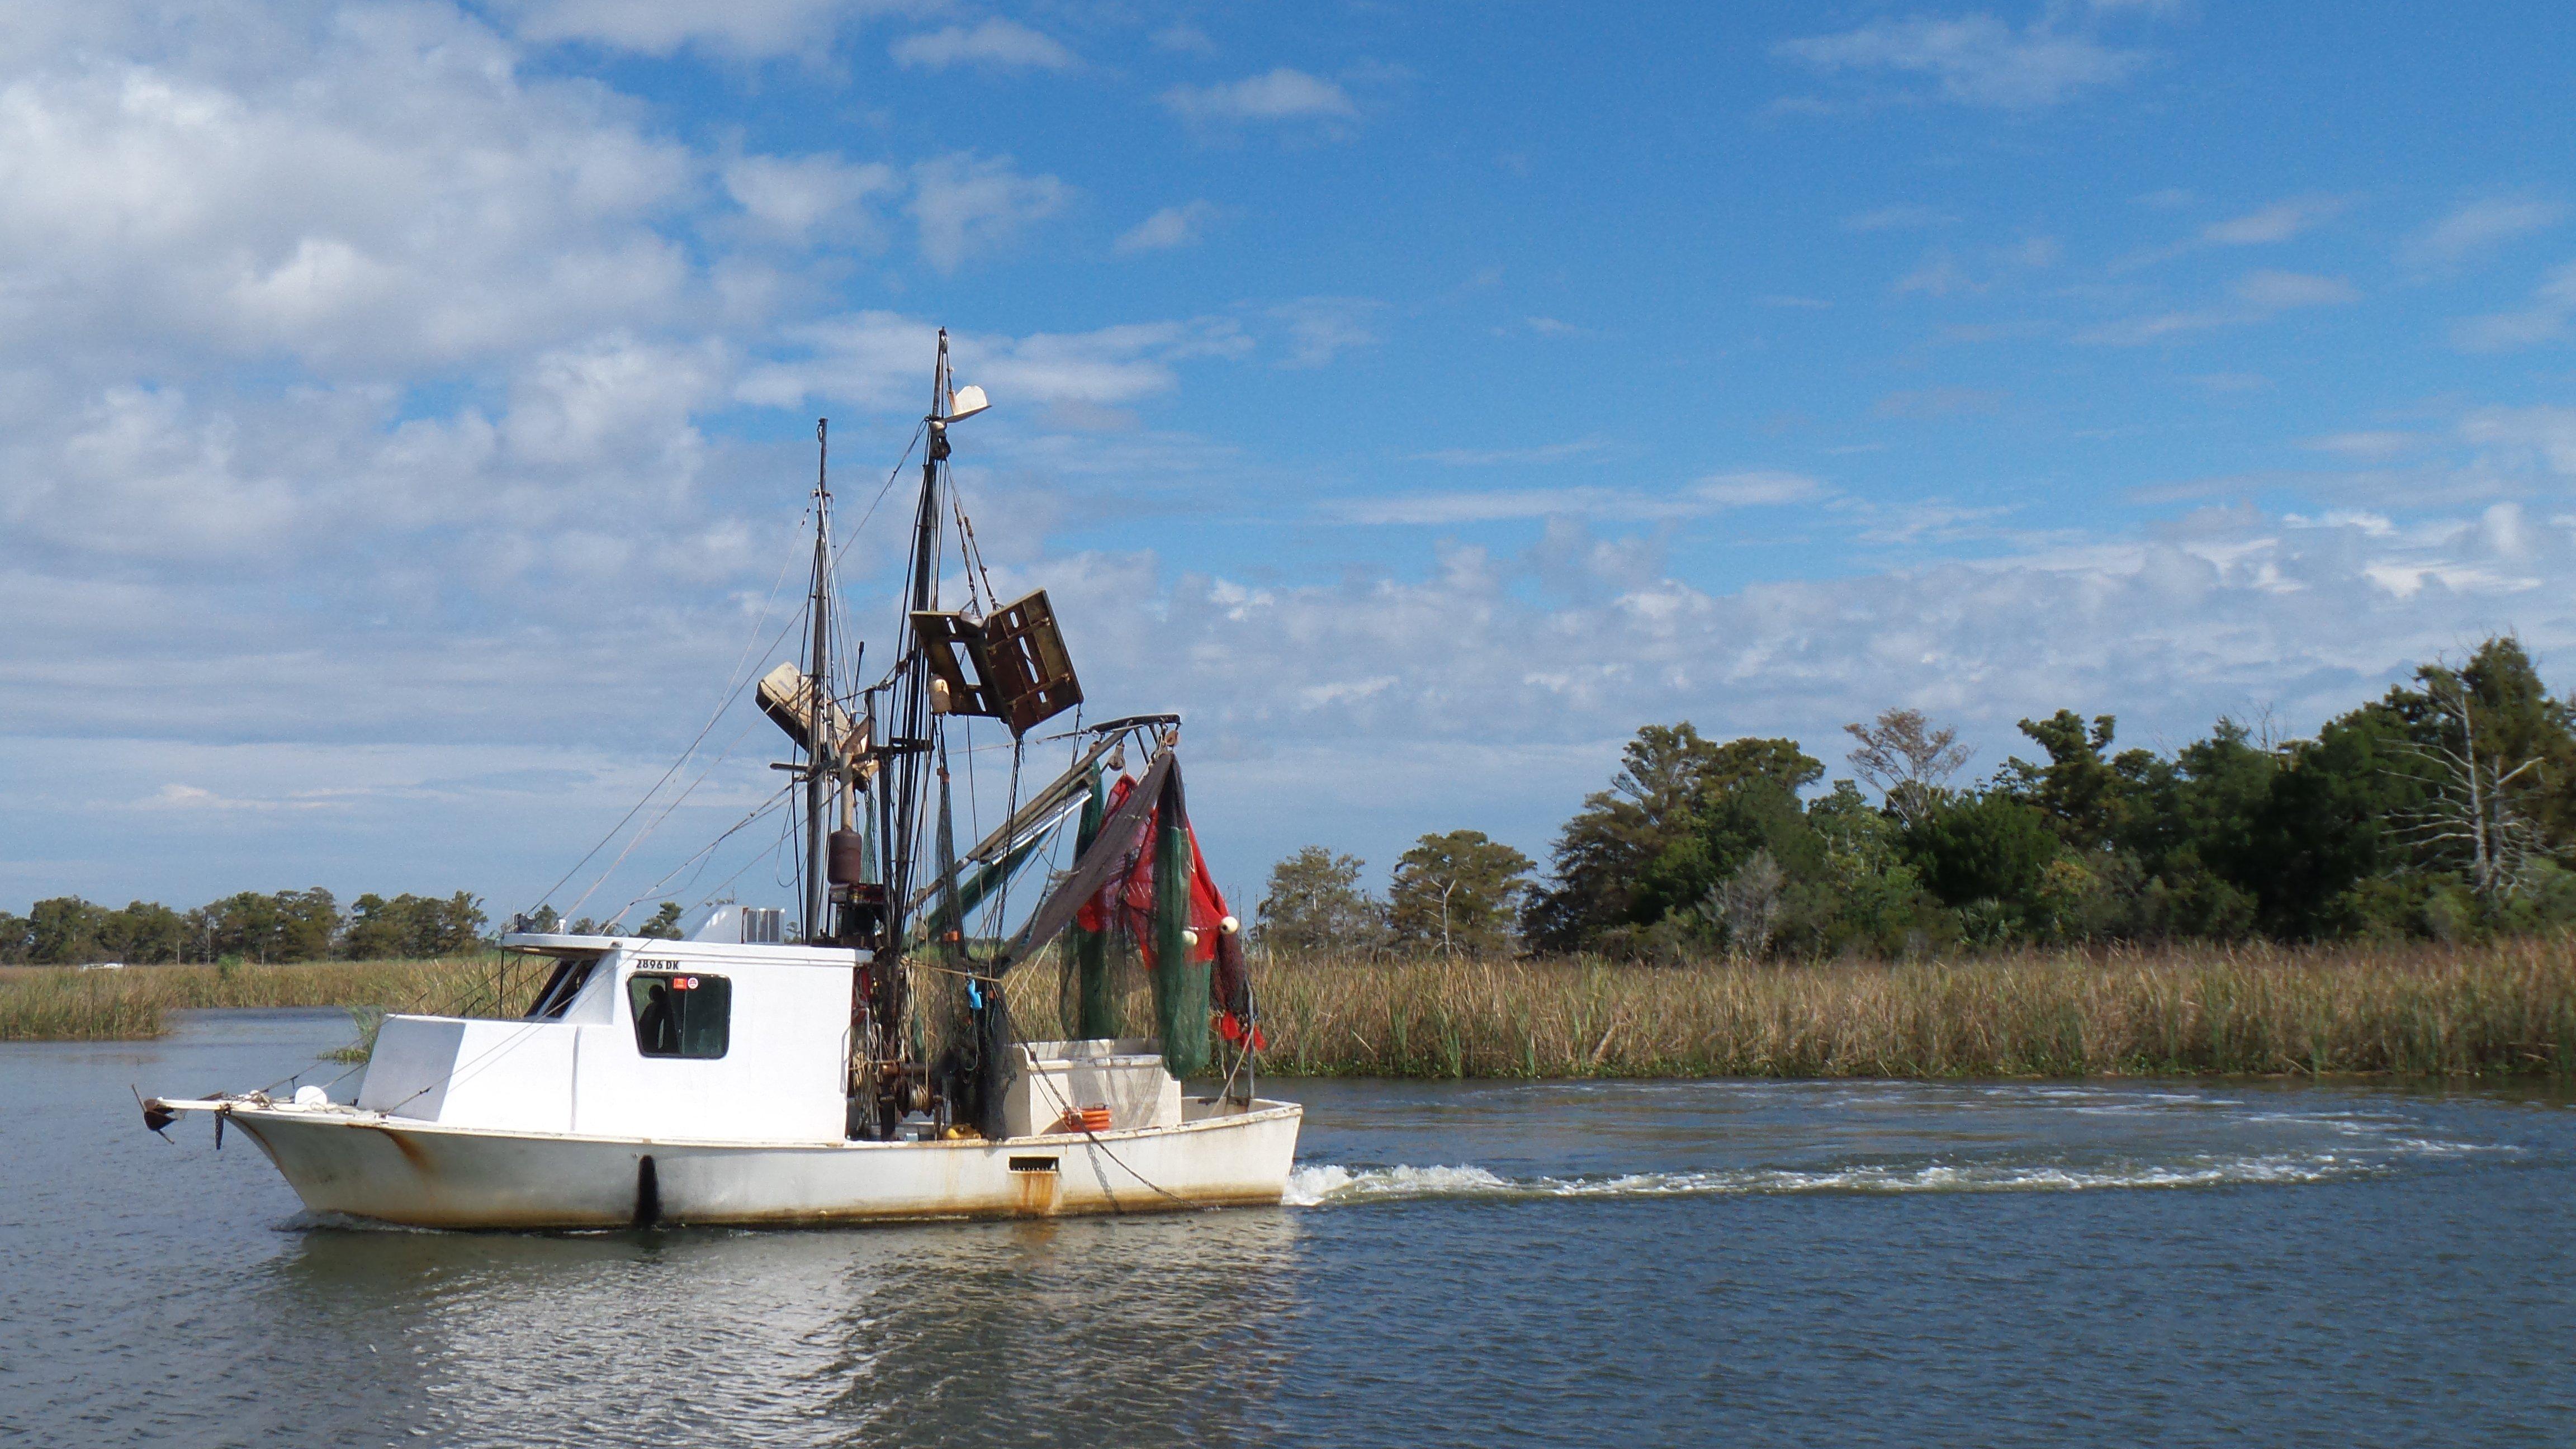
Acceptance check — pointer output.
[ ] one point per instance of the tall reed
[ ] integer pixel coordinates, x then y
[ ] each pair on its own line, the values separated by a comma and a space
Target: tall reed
64, 1004
2506, 1009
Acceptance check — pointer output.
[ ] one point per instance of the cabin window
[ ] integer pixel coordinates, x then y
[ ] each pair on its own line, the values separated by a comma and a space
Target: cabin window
565, 984
680, 1013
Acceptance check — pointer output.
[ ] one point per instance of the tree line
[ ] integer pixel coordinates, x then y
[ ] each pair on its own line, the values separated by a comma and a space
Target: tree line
2445, 809
305, 925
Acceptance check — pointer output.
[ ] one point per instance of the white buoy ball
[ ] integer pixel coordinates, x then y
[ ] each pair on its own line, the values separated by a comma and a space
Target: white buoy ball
1189, 937
1229, 925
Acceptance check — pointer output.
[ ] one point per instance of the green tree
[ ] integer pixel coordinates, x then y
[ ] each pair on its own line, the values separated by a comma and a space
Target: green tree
1458, 893
66, 931
145, 932
2084, 793
1666, 829
1601, 853
1989, 847
1314, 903
2325, 827
665, 925
288, 926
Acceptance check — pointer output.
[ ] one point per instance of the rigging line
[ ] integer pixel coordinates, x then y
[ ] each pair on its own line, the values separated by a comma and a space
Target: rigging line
724, 884
733, 687
738, 678
969, 551
647, 832
1002, 894
897, 472
763, 808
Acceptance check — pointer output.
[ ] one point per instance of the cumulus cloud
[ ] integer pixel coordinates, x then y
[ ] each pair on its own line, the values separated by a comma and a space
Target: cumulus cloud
2543, 435
1974, 60
2254, 297
995, 44
1489, 457
793, 198
2373, 445
1281, 96
966, 204
2273, 291
2278, 222
1897, 218
877, 360
2477, 227
1938, 402
2543, 320
662, 27
1173, 226
1322, 328
415, 201
1715, 493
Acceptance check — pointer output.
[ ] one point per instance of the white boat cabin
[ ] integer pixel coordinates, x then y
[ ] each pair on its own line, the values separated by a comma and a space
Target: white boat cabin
708, 1041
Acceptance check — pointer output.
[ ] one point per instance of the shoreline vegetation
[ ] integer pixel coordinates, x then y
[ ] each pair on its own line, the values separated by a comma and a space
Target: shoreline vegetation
2488, 1010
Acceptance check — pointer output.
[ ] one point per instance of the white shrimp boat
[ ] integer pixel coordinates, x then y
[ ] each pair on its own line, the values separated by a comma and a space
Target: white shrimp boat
869, 1070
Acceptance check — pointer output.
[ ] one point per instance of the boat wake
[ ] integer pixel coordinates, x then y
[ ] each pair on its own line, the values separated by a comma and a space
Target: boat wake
1332, 1185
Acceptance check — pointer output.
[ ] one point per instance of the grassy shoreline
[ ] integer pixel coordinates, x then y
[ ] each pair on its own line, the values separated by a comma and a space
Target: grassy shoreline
2505, 1009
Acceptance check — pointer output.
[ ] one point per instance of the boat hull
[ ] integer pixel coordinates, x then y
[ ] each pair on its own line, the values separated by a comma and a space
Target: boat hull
423, 1174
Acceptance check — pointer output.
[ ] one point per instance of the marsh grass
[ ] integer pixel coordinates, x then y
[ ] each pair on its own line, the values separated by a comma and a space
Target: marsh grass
2502, 1009
63, 1004
2506, 1009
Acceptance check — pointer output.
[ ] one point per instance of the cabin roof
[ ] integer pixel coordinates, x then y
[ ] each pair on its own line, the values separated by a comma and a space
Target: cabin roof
543, 943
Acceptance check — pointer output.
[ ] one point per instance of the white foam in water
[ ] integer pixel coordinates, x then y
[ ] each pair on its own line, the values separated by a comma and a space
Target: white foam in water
1330, 1183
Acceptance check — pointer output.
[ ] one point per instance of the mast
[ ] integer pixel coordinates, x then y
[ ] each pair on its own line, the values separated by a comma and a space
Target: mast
911, 705
818, 683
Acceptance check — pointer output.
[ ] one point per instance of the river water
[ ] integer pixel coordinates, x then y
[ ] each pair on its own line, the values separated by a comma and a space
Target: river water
1742, 1263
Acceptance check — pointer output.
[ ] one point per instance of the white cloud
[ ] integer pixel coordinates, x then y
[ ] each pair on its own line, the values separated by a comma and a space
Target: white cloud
1937, 402
2257, 296
414, 201
965, 204
995, 43
1715, 493
1488, 457
792, 198
2271, 291
2372, 445
879, 360
2479, 226
1184, 38
1976, 60
1282, 95
2545, 435
2545, 320
1938, 275
2278, 222
1173, 226
662, 27
1323, 328
1897, 218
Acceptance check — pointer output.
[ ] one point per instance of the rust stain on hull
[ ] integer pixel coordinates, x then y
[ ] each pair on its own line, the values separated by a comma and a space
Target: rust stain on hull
403, 1144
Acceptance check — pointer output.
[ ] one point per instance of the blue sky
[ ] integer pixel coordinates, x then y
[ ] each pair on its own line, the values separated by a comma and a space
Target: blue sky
405, 409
